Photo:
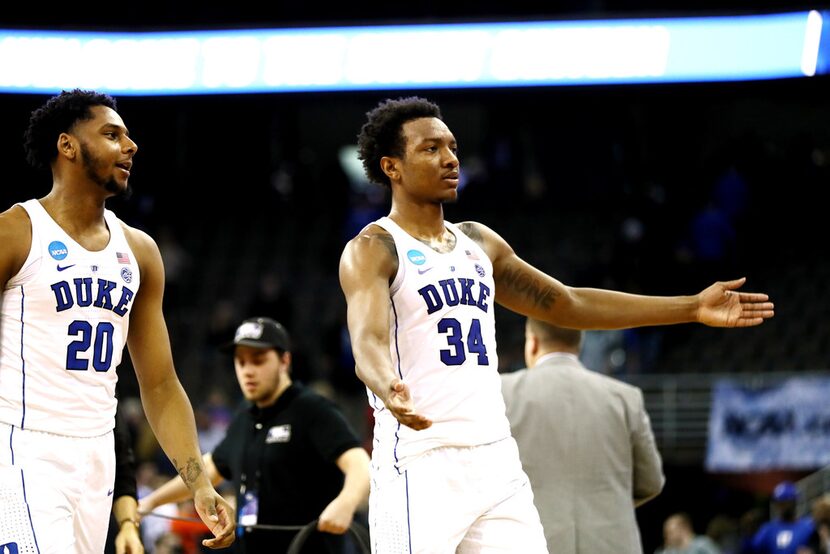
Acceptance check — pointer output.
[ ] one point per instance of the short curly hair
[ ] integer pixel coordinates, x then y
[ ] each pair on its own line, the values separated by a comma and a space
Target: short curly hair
57, 116
382, 134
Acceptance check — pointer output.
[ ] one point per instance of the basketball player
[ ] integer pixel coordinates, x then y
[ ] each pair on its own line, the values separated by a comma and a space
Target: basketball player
74, 281
420, 293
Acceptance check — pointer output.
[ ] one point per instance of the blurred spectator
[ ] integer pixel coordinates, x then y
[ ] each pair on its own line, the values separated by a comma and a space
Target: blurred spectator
169, 543
217, 406
222, 323
176, 260
273, 299
731, 194
189, 528
819, 542
679, 538
723, 530
145, 444
153, 527
603, 351
712, 243
785, 533
210, 432
642, 349
748, 525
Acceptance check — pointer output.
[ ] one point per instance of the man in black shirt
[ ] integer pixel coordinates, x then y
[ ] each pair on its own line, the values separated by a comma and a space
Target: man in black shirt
290, 453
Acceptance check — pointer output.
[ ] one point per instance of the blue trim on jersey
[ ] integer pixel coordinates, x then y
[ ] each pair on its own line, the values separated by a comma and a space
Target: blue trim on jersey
22, 359
375, 403
397, 348
408, 523
11, 447
29, 511
398, 352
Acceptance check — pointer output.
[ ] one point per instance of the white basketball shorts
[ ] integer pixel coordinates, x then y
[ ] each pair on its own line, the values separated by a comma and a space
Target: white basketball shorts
55, 492
464, 500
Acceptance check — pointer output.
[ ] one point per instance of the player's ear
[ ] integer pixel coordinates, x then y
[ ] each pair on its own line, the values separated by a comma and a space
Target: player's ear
66, 146
534, 344
389, 166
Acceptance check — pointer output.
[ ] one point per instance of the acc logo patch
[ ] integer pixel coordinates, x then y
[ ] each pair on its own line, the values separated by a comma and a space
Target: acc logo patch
416, 257
58, 250
126, 274
480, 270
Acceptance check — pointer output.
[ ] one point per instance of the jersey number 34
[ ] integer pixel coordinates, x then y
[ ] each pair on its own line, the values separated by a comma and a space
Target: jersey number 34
457, 354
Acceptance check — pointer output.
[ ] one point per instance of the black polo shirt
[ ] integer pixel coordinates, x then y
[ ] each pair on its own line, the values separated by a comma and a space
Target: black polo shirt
287, 454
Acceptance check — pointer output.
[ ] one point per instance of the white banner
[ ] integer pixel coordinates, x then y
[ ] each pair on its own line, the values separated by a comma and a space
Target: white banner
786, 426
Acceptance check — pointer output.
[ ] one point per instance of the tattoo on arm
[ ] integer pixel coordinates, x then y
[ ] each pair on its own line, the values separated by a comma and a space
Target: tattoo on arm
389, 242
189, 472
472, 231
522, 283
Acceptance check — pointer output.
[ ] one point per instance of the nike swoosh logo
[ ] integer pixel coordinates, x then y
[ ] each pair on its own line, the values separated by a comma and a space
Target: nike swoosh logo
422, 271
65, 267
109, 492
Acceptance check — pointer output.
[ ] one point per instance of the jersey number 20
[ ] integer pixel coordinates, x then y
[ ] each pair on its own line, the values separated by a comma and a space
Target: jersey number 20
100, 339
456, 355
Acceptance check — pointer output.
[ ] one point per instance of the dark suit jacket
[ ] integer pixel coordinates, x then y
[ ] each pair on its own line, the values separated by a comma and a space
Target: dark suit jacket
586, 443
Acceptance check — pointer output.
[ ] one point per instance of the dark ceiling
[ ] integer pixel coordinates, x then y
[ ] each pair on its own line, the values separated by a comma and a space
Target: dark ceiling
167, 15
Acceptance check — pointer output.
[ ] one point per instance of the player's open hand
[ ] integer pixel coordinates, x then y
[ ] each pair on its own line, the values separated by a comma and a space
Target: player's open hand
399, 402
722, 306
217, 514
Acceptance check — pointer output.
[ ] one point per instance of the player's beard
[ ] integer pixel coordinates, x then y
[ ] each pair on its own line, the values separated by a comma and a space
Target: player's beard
94, 166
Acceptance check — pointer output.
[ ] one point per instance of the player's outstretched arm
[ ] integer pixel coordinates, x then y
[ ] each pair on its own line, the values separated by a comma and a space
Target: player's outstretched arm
367, 264
522, 288
167, 407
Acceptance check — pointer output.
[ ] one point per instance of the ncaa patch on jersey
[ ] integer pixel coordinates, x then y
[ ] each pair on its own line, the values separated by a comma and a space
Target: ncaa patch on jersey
278, 433
416, 257
58, 250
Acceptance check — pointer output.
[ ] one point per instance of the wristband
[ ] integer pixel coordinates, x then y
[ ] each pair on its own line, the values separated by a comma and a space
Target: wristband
126, 520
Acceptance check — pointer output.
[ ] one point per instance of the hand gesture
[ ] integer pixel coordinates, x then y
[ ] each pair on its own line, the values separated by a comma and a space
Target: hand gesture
722, 306
399, 402
127, 540
217, 514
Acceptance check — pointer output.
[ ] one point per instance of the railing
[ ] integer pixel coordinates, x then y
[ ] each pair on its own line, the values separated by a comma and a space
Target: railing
812, 487
679, 406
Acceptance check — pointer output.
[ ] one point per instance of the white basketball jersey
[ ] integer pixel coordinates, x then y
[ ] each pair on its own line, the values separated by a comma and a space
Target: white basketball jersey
63, 325
443, 345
